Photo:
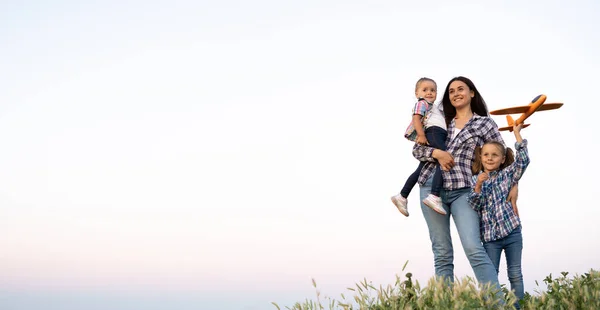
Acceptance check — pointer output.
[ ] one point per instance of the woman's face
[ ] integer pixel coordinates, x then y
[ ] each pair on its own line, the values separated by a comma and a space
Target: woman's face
460, 94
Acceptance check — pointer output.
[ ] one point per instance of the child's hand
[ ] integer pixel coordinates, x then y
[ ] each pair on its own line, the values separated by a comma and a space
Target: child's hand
482, 177
517, 128
422, 140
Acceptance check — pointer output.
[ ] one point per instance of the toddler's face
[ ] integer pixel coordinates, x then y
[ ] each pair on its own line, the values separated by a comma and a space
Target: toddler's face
427, 90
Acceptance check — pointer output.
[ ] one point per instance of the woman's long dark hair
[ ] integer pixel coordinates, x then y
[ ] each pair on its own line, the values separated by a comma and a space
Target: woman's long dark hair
478, 105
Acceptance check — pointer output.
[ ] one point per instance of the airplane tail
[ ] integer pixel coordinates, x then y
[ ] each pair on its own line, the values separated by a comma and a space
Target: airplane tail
510, 120
511, 123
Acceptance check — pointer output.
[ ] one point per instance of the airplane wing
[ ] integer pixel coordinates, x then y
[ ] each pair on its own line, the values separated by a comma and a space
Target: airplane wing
510, 128
513, 110
550, 106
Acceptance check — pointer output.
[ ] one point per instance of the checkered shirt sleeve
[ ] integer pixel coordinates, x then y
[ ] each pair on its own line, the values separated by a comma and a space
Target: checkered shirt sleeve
421, 107
478, 130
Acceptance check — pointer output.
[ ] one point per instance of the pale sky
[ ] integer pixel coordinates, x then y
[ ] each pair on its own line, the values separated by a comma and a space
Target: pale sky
186, 154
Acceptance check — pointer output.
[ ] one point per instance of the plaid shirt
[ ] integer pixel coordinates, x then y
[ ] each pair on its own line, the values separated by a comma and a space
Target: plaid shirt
497, 217
478, 130
422, 107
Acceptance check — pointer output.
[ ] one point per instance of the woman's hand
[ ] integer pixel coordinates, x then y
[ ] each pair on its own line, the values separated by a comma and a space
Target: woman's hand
444, 158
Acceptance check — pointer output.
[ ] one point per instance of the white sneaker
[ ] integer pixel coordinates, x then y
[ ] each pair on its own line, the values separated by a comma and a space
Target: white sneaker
401, 204
435, 203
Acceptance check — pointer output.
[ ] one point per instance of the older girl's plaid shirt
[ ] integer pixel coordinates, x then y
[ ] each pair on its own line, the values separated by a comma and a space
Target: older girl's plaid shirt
478, 130
497, 219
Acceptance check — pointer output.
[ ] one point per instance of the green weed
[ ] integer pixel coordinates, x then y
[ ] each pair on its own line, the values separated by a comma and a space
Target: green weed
578, 292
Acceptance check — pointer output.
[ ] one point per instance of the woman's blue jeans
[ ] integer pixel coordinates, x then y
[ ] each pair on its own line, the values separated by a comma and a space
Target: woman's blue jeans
466, 221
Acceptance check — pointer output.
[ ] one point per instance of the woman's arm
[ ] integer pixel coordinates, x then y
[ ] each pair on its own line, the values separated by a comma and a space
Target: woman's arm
427, 153
423, 152
444, 158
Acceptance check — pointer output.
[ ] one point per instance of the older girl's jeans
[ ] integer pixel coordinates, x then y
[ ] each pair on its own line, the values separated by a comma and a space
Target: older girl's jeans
513, 248
467, 224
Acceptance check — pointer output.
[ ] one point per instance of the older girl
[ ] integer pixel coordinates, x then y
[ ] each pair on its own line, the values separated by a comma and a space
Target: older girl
495, 172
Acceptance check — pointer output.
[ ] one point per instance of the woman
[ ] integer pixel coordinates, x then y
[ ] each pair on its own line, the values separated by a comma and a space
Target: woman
469, 126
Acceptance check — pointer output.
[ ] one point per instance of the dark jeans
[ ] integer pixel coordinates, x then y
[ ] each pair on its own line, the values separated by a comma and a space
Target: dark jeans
436, 137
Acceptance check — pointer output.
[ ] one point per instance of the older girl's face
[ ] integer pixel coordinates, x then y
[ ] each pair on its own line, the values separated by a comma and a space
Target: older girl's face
460, 94
491, 157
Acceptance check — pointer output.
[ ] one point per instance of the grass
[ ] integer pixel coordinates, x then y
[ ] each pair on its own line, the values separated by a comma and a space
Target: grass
563, 292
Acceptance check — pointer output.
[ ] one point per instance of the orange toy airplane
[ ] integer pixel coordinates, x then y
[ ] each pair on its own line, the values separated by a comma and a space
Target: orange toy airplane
537, 104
